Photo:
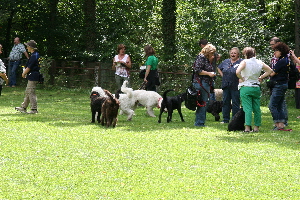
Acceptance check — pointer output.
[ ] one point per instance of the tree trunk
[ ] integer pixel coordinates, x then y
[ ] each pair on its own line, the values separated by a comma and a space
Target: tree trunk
168, 29
90, 24
51, 37
297, 27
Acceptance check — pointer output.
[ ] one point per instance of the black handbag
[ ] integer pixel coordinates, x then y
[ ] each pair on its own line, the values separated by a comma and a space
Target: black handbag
191, 98
142, 74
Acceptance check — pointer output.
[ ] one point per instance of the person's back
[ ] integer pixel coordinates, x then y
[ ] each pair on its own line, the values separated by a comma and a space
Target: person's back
251, 72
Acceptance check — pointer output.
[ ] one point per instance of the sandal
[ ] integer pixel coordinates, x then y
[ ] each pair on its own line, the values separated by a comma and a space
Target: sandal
255, 131
245, 131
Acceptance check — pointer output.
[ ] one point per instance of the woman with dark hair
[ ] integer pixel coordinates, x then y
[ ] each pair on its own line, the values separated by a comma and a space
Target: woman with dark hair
279, 77
122, 64
202, 80
151, 74
249, 74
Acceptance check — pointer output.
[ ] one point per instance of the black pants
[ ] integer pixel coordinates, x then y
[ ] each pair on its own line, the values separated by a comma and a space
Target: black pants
151, 78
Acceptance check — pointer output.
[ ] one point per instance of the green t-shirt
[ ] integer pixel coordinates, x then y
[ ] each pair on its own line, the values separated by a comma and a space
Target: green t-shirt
152, 61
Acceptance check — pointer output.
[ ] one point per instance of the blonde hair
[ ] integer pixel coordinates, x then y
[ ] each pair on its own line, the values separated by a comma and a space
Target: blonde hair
235, 48
208, 49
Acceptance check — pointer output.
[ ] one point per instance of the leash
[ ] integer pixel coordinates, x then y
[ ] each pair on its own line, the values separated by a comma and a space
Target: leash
143, 86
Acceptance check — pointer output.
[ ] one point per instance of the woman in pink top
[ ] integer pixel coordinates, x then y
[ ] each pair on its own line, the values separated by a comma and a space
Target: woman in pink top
122, 64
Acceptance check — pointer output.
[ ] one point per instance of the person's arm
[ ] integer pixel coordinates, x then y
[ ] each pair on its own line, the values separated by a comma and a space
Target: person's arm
267, 73
128, 62
114, 64
25, 72
294, 57
26, 54
147, 72
239, 69
220, 72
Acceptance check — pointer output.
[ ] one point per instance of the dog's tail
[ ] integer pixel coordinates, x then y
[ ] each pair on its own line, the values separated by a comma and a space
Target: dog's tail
126, 90
165, 93
110, 96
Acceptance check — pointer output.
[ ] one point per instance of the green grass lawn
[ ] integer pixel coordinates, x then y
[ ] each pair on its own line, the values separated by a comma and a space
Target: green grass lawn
59, 154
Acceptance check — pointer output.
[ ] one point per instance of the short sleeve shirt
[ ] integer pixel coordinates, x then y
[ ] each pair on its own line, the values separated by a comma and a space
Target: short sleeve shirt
16, 52
152, 61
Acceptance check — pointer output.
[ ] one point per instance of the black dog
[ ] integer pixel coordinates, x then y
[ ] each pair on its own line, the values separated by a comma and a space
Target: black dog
171, 103
215, 107
96, 105
238, 121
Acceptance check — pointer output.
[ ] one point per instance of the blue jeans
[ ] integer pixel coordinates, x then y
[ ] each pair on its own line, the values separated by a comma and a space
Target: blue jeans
201, 111
276, 104
230, 97
13, 65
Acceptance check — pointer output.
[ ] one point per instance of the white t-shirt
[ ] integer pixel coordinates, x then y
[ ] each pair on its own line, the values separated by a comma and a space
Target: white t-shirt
120, 70
251, 72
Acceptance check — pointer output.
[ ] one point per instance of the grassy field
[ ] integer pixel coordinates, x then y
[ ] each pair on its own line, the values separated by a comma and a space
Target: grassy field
59, 154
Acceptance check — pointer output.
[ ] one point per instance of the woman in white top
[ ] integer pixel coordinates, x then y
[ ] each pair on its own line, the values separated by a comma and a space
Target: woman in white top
249, 73
122, 64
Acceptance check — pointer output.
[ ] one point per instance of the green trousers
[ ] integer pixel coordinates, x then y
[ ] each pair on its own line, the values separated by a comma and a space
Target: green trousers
250, 97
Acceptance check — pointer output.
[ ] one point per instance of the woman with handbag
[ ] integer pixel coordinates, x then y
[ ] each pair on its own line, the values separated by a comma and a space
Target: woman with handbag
202, 80
151, 75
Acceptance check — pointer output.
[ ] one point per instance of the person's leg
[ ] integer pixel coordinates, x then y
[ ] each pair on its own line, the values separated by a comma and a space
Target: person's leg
247, 104
32, 95
256, 107
201, 111
26, 98
276, 103
13, 72
226, 105
118, 81
235, 96
285, 112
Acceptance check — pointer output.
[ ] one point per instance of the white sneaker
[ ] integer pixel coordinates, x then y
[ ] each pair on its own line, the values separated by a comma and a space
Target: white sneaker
21, 109
32, 112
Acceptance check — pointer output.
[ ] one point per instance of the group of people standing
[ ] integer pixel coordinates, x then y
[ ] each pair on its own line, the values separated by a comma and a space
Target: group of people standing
241, 80
30, 72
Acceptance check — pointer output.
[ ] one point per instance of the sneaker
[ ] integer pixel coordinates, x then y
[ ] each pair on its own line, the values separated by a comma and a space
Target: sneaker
21, 109
32, 112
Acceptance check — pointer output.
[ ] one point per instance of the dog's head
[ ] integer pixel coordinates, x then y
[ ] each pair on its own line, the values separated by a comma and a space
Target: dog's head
94, 94
99, 90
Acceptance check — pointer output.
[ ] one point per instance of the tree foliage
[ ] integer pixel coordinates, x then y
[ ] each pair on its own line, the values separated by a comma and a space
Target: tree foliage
90, 30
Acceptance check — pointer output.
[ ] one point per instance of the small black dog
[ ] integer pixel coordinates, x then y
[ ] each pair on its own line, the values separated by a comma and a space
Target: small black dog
238, 121
96, 105
171, 103
215, 107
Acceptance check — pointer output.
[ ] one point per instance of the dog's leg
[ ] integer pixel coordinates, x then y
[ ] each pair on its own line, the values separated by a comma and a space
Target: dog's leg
162, 108
98, 116
150, 112
93, 116
180, 114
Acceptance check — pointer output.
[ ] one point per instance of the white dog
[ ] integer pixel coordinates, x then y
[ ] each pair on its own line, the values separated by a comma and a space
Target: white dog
149, 99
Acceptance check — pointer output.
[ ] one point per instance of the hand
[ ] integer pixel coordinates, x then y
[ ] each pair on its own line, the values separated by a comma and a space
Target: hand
260, 79
145, 80
212, 74
23, 75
